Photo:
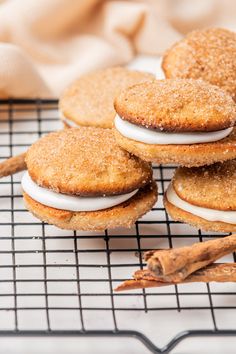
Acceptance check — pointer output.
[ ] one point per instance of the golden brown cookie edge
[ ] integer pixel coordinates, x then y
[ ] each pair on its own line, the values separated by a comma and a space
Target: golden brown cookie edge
122, 215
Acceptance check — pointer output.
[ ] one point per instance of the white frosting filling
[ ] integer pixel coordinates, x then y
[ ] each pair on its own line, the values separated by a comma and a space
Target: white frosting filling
71, 123
70, 202
150, 136
228, 217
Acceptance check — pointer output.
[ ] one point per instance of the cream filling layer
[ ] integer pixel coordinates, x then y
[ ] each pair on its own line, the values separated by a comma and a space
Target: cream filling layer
151, 136
70, 122
228, 217
70, 202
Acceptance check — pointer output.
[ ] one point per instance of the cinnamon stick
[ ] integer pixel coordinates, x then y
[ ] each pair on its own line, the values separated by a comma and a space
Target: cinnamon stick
174, 265
217, 272
139, 284
13, 165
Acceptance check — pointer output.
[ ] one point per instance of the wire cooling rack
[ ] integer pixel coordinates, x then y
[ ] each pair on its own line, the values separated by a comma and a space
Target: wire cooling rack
60, 283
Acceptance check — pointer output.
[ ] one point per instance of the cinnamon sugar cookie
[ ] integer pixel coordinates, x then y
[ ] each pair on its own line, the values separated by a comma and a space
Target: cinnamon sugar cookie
79, 178
208, 54
89, 100
204, 197
182, 121
122, 215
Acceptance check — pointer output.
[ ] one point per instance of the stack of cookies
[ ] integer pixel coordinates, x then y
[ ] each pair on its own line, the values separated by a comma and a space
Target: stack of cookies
92, 177
189, 120
206, 197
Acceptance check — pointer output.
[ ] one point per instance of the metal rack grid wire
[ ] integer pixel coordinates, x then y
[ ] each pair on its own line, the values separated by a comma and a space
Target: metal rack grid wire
60, 283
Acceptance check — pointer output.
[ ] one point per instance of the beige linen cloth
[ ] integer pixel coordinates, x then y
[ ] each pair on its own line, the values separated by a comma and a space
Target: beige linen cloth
46, 44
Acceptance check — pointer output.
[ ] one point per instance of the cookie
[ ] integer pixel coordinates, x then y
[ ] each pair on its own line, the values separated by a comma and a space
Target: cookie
183, 155
121, 215
85, 161
208, 54
89, 100
80, 179
182, 121
204, 197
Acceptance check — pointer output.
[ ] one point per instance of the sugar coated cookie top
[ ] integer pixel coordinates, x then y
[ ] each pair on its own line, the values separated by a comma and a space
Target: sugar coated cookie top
89, 100
212, 187
85, 161
183, 105
208, 54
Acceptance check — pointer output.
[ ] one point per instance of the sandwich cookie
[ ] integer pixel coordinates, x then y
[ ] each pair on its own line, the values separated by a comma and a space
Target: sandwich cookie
204, 197
79, 179
208, 54
89, 100
183, 121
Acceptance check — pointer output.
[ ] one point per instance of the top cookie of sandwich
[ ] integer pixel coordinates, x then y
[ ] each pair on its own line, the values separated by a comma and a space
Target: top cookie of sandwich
177, 105
211, 187
89, 100
208, 54
85, 161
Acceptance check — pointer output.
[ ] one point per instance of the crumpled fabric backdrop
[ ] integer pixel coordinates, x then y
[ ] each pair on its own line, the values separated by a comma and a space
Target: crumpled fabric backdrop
46, 44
